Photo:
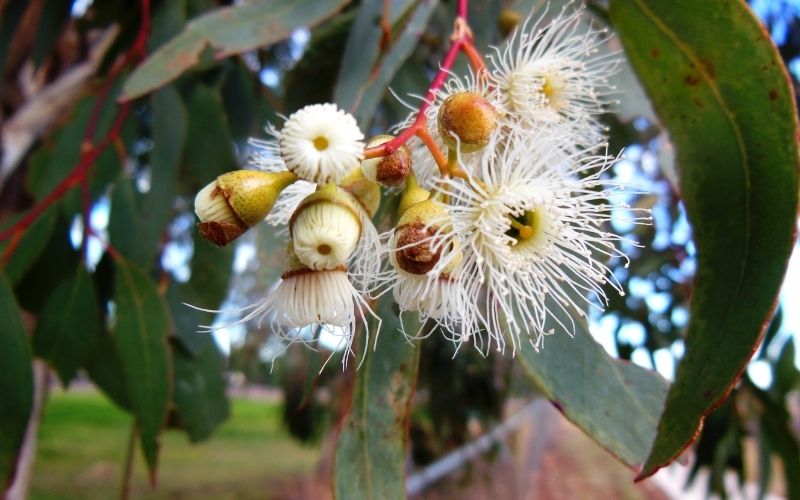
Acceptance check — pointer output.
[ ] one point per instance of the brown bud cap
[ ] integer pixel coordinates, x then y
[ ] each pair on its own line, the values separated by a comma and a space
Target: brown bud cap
416, 248
236, 201
390, 170
415, 254
363, 190
470, 117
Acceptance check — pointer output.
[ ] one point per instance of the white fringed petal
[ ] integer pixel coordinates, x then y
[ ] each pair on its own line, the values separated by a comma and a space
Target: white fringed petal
321, 143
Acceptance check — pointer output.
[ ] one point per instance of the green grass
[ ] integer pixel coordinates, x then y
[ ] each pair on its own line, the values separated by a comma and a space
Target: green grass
83, 441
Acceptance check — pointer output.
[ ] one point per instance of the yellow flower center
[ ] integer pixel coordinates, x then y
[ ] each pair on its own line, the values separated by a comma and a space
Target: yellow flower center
321, 143
525, 226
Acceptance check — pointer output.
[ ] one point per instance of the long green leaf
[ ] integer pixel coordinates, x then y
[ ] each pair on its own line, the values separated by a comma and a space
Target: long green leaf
169, 138
372, 447
226, 31
16, 383
374, 88
106, 370
614, 402
140, 335
718, 84
362, 51
208, 151
68, 325
211, 272
200, 399
31, 245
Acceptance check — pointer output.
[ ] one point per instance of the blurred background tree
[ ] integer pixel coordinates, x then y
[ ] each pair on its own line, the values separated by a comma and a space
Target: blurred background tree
100, 254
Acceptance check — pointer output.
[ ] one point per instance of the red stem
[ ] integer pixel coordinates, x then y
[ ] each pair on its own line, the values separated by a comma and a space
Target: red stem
390, 147
90, 151
386, 28
461, 9
461, 41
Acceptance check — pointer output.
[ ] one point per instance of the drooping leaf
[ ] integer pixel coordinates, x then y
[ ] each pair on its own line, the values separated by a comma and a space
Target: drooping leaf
11, 16
401, 49
138, 221
103, 365
776, 426
51, 166
168, 19
312, 79
125, 232
54, 264
717, 83
140, 332
372, 447
226, 31
240, 95
16, 384
207, 288
105, 368
31, 245
68, 324
614, 402
363, 80
55, 15
200, 400
362, 50
208, 150
169, 139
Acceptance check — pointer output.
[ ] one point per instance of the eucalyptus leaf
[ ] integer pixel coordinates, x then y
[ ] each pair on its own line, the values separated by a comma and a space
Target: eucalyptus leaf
200, 400
614, 402
16, 384
718, 85
68, 325
372, 446
140, 332
226, 31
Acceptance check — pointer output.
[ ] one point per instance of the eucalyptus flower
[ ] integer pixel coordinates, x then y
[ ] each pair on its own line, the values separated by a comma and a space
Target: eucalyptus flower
532, 223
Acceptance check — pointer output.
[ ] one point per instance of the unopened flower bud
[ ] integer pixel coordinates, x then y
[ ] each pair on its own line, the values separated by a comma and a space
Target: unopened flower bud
237, 201
469, 117
417, 244
366, 192
325, 228
508, 20
390, 170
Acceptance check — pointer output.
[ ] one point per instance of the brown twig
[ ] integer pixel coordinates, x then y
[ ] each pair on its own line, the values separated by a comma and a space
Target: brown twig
386, 27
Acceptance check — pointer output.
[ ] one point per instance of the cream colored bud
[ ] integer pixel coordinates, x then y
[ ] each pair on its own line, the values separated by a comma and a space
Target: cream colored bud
236, 201
468, 116
325, 228
390, 170
366, 192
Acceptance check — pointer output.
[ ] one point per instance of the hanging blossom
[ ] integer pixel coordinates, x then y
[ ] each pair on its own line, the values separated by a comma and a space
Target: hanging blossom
504, 240
555, 73
333, 255
551, 76
532, 222
339, 131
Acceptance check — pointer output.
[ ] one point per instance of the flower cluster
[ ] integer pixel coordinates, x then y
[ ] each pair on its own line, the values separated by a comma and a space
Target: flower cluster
502, 241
